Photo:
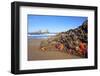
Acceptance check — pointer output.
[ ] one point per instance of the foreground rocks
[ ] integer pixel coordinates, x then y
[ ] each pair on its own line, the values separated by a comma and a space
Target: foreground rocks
73, 41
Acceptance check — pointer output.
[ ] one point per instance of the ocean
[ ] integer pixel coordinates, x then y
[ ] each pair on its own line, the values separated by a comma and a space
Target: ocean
40, 36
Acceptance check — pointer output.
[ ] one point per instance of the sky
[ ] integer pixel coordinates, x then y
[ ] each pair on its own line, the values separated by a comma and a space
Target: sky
53, 24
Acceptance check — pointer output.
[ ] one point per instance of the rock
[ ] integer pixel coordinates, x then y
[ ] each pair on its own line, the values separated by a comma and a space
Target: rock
72, 38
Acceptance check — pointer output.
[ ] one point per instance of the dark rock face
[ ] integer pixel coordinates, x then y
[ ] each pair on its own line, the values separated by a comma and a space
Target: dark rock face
73, 38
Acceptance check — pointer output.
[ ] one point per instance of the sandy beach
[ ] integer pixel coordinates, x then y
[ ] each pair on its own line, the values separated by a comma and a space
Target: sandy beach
34, 52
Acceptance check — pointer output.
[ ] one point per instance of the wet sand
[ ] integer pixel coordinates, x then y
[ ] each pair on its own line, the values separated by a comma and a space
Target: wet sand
34, 52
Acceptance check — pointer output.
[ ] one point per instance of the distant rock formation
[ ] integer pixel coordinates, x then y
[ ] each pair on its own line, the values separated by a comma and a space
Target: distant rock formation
40, 32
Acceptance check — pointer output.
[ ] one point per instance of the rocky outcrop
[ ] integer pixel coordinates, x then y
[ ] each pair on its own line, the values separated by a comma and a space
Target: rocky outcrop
75, 41
74, 37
